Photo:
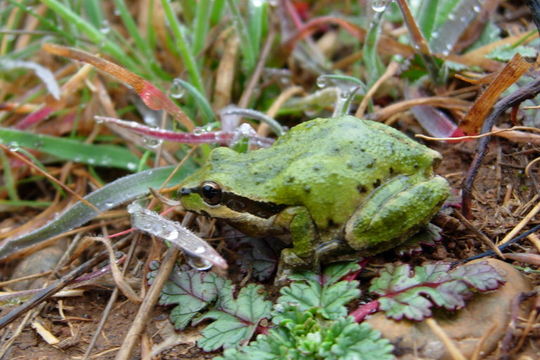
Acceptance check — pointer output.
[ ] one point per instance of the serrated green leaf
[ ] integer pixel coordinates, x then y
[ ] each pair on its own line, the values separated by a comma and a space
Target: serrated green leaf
505, 53
412, 294
192, 290
307, 292
343, 339
236, 319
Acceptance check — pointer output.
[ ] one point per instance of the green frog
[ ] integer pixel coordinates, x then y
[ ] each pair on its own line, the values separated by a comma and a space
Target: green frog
335, 186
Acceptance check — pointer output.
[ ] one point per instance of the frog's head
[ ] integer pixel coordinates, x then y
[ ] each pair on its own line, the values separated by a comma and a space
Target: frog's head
221, 189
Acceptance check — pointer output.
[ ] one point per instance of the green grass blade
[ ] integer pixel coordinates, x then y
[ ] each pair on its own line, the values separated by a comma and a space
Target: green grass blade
43, 20
202, 22
132, 28
201, 100
93, 34
183, 47
68, 149
118, 192
92, 9
250, 56
257, 22
24, 203
217, 11
427, 15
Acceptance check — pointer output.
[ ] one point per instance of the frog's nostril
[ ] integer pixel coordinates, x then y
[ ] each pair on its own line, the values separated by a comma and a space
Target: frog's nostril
185, 191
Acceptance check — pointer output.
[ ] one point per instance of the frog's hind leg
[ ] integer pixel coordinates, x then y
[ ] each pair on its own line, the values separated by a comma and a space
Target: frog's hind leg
396, 210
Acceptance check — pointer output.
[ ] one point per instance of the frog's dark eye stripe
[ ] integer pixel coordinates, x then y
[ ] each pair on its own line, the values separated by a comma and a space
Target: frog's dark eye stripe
254, 207
213, 195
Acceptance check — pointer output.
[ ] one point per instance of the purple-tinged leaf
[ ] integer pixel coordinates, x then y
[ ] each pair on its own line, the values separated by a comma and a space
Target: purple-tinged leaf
236, 319
192, 291
409, 294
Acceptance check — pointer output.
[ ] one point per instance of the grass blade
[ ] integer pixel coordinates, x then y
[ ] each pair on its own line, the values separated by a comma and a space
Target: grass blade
120, 191
68, 149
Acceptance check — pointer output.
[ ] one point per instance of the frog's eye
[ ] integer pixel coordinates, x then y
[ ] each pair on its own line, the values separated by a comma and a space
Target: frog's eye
211, 192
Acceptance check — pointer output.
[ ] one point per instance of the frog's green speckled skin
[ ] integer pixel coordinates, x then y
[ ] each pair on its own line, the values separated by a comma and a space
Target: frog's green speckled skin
343, 183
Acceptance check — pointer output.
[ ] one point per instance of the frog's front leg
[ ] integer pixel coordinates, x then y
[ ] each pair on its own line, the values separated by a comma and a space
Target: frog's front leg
304, 237
396, 210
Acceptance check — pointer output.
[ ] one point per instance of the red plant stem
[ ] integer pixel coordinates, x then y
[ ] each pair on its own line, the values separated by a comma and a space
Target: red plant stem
364, 310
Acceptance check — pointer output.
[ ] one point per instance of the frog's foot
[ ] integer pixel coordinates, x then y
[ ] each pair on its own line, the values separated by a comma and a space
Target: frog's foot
290, 262
397, 210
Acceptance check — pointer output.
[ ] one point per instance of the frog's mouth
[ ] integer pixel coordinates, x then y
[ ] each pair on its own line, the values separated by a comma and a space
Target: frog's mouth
239, 203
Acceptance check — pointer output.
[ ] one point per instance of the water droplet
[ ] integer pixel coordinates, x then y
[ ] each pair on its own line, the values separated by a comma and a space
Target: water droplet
322, 82
152, 143
476, 8
199, 250
133, 208
311, 111
451, 17
344, 93
105, 27
285, 80
131, 166
446, 52
198, 263
99, 120
169, 234
198, 131
379, 5
435, 35
177, 90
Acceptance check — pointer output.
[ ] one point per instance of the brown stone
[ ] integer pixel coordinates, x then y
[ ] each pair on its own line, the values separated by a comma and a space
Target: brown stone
484, 313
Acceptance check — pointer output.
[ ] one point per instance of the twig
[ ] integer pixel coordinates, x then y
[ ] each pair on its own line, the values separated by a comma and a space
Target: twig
530, 165
479, 234
255, 76
145, 310
517, 97
112, 300
276, 105
521, 224
390, 71
514, 313
472, 137
448, 343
